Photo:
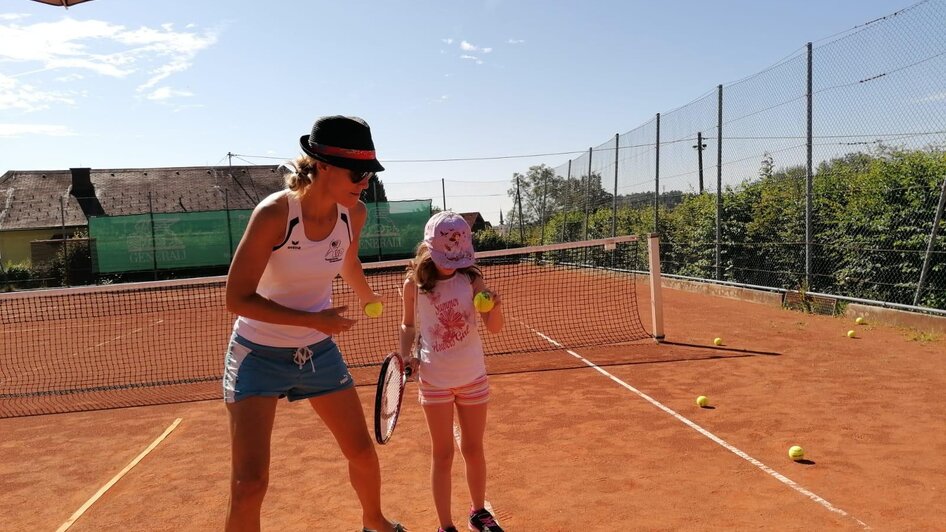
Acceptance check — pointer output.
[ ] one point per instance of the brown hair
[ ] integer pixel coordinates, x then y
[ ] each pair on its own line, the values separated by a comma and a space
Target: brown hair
423, 272
300, 173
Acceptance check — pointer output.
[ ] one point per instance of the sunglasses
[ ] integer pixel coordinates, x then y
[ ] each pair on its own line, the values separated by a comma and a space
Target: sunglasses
358, 177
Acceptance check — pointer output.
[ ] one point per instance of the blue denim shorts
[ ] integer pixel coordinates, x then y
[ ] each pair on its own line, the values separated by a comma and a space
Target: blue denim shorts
295, 373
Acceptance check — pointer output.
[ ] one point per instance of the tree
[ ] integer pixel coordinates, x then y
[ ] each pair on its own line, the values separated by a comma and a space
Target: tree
544, 194
374, 184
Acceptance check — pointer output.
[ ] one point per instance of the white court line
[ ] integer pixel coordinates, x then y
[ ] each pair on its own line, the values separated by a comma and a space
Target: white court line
741, 454
486, 504
78, 513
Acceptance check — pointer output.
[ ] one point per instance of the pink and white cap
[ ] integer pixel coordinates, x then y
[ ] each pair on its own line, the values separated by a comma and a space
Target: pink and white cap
449, 239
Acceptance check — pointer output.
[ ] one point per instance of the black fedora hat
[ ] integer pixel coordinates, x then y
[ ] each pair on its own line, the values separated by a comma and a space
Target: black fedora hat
343, 141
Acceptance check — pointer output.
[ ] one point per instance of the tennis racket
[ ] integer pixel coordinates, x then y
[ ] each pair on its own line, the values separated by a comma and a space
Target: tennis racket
390, 393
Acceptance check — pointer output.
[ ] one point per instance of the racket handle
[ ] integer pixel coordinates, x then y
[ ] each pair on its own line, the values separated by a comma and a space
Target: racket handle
407, 371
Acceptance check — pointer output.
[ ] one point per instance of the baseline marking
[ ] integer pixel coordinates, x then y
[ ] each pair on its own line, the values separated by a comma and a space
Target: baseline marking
741, 454
65, 526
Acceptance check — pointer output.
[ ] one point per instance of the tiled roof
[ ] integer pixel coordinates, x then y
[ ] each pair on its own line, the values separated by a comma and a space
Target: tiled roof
31, 199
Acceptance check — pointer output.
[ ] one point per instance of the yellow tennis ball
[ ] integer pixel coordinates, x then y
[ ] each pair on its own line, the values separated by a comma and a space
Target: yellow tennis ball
702, 401
483, 302
859, 320
796, 453
851, 333
374, 309
718, 341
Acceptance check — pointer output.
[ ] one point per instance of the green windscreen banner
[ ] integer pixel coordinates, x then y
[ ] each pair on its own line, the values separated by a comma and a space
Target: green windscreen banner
166, 241
170, 241
393, 229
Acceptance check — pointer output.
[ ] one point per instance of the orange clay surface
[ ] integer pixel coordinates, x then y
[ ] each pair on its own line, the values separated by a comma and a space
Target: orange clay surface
568, 448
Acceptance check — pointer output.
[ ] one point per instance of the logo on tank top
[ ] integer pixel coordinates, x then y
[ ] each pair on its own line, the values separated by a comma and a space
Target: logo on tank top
335, 251
294, 245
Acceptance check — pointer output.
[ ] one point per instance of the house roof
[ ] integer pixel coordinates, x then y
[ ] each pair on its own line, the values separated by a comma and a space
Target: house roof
472, 217
35, 199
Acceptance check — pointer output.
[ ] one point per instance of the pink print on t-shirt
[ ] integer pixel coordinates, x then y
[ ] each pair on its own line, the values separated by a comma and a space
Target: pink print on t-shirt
452, 325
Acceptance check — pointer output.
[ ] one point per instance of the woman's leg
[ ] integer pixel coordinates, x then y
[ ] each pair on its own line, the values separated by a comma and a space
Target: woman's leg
251, 428
472, 430
440, 424
342, 413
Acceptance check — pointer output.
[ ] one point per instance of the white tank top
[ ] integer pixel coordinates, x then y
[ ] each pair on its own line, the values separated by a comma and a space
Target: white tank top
299, 275
451, 352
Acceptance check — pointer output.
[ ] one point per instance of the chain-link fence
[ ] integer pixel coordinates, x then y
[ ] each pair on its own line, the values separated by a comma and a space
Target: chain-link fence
823, 173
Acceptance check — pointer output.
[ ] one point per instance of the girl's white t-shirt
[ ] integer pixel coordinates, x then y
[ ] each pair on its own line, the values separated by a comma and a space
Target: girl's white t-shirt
299, 275
451, 352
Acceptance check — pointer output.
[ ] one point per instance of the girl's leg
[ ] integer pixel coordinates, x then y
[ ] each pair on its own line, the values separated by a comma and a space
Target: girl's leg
440, 424
251, 428
472, 430
342, 413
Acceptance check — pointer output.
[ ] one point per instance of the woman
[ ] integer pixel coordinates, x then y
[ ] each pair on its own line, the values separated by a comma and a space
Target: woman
280, 286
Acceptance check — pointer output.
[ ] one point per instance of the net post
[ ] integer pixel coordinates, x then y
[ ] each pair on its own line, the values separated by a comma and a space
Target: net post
656, 294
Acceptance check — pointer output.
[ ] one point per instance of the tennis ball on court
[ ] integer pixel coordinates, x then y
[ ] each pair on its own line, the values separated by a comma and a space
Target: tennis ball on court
851, 333
859, 320
702, 401
374, 309
717, 341
483, 302
796, 453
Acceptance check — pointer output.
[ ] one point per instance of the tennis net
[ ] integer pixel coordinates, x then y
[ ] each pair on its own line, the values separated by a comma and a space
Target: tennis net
161, 342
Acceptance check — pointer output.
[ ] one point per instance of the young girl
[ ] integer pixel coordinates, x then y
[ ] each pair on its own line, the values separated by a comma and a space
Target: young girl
451, 369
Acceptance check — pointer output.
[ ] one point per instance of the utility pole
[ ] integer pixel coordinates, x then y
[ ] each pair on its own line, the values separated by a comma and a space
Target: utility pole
700, 146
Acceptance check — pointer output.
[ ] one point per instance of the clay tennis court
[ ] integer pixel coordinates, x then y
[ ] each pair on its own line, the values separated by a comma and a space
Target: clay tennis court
619, 447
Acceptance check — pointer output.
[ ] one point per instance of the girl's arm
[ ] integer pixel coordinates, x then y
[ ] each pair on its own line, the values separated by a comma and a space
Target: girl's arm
494, 318
266, 229
407, 333
352, 271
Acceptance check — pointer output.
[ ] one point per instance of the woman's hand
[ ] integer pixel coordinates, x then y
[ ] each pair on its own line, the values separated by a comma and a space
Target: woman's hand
331, 322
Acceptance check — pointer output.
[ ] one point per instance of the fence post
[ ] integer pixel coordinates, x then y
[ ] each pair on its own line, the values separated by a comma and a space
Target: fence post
226, 206
522, 238
568, 179
719, 178
377, 213
657, 181
809, 178
443, 192
545, 190
588, 191
614, 198
65, 242
154, 244
932, 243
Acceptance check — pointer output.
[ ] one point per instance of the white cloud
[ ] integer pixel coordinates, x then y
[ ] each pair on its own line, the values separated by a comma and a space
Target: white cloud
515, 41
144, 55
477, 60
938, 97
20, 96
17, 130
12, 16
447, 41
470, 47
166, 93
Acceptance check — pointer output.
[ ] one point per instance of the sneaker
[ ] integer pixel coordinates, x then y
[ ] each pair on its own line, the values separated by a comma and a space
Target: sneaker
398, 527
482, 521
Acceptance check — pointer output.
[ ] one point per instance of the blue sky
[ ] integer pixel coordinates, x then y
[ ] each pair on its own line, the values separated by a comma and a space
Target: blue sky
118, 83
